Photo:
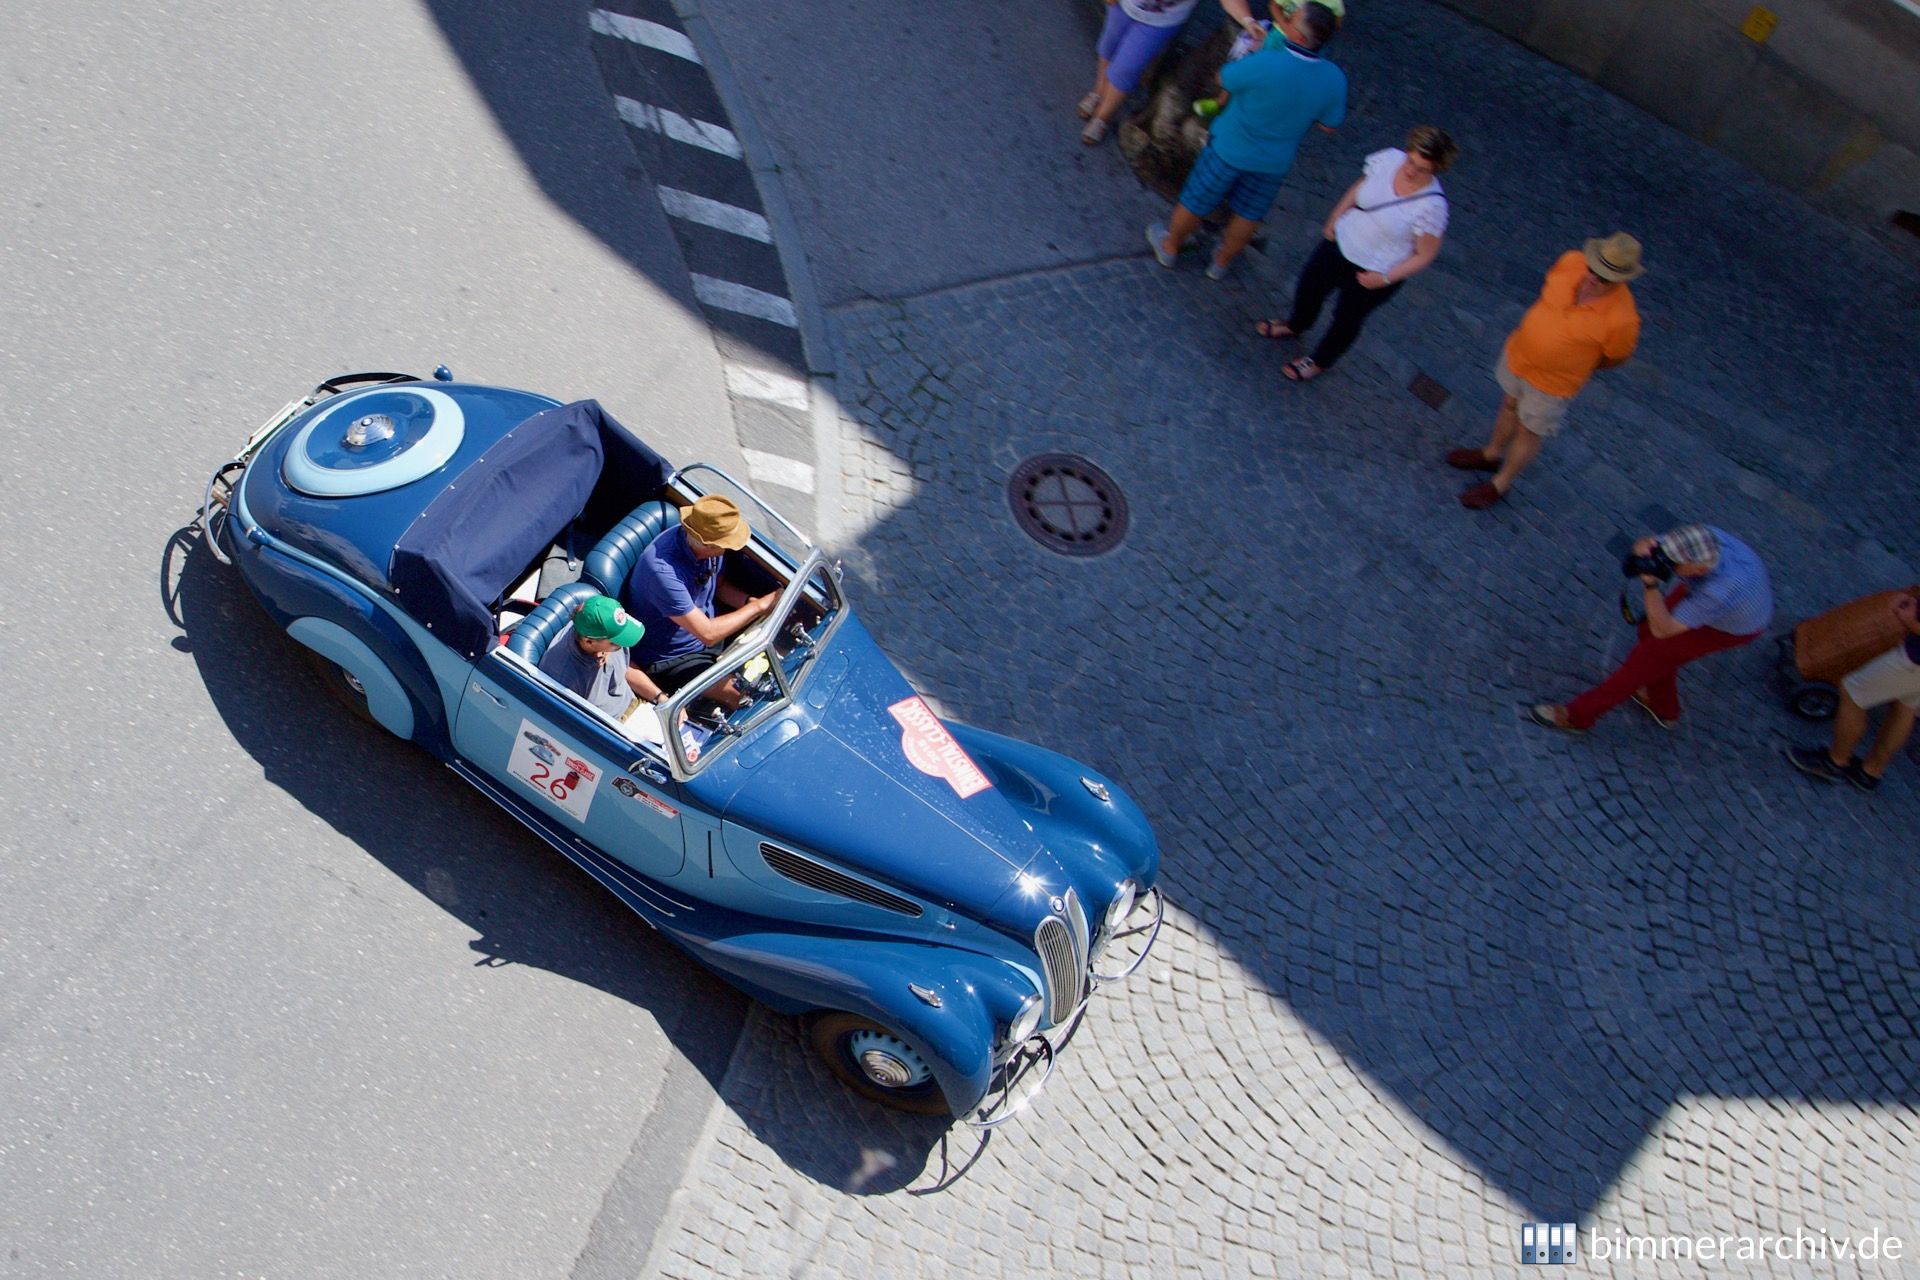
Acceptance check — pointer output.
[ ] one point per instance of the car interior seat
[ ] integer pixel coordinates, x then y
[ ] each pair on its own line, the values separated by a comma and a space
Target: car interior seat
549, 621
609, 563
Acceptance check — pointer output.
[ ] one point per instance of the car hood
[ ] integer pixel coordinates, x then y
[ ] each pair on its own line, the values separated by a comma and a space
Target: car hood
875, 784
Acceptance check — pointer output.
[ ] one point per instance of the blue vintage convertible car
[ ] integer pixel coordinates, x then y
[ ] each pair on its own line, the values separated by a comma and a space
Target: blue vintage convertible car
937, 900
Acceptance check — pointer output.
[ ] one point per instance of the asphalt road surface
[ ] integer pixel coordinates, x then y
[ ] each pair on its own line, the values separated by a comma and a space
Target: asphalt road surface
279, 995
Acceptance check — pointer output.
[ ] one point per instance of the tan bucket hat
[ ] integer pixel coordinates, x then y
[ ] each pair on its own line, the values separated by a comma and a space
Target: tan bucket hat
1616, 258
717, 522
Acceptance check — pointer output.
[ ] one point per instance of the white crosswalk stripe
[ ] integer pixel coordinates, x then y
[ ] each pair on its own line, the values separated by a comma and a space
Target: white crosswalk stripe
640, 31
713, 213
739, 298
773, 468
695, 133
763, 384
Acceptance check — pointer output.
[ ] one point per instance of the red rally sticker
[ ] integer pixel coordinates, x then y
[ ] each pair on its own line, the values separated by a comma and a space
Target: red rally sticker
932, 750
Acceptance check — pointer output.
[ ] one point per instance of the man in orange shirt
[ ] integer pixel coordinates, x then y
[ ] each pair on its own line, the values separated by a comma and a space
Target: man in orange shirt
1584, 320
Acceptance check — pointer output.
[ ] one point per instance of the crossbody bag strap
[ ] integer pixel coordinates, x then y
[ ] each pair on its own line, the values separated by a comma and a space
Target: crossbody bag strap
1388, 204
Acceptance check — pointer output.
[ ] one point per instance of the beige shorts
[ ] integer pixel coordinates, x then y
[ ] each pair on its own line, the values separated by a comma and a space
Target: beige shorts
1540, 413
1892, 676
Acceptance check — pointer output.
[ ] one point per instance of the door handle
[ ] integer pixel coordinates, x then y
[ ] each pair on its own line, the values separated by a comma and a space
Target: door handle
653, 771
488, 694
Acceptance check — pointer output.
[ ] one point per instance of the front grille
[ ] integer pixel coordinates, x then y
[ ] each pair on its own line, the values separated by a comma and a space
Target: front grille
817, 875
1062, 945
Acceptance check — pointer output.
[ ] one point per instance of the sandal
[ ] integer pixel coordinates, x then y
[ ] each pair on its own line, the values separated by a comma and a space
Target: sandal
1088, 105
1095, 133
1274, 330
1302, 370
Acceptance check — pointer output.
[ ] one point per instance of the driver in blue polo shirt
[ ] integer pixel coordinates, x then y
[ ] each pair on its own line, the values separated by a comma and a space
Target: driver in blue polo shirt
673, 590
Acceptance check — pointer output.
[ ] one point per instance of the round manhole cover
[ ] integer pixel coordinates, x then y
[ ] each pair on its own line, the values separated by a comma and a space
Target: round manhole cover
1067, 504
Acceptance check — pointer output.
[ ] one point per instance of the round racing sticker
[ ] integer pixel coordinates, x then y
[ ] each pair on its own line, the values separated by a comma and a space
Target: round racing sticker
932, 750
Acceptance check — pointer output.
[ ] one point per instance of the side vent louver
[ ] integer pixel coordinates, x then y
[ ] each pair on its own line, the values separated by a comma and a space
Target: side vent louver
817, 876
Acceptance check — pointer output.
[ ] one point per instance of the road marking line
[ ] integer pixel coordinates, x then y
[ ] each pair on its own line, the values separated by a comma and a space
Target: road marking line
713, 213
772, 468
729, 296
695, 133
640, 31
763, 384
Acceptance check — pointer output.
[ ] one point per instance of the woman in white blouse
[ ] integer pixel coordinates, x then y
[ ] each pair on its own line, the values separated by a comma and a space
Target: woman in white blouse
1386, 228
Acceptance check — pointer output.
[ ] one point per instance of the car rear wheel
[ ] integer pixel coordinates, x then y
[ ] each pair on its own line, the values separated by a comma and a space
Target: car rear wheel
343, 684
877, 1064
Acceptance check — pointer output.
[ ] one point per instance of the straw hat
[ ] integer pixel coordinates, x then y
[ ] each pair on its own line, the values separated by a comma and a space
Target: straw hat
1617, 258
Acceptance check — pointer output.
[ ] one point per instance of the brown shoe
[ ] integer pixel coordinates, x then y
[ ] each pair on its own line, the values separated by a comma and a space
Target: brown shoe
1471, 460
1481, 496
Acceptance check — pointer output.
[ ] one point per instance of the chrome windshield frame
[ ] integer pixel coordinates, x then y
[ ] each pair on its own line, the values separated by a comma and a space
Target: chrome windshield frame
679, 480
758, 638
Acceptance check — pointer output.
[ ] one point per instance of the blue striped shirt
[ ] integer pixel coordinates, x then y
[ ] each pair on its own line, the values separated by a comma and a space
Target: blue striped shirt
1737, 597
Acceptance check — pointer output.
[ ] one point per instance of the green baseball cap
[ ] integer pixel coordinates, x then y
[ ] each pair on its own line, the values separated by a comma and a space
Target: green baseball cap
602, 618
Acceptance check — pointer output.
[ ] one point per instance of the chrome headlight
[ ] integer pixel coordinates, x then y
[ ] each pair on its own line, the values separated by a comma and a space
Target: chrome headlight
1026, 1020
1119, 909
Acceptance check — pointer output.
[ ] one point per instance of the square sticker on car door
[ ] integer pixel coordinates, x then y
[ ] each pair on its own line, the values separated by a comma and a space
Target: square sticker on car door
557, 772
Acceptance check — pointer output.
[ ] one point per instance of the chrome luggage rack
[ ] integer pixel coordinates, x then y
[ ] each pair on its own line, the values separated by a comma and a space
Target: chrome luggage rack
213, 504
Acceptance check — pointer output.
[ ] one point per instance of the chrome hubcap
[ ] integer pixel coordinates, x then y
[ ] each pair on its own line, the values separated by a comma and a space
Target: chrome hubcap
887, 1061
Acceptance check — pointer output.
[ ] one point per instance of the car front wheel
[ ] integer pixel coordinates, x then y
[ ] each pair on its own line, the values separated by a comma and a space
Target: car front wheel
877, 1064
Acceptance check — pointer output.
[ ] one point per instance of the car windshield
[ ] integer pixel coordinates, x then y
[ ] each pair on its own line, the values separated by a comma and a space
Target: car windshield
760, 670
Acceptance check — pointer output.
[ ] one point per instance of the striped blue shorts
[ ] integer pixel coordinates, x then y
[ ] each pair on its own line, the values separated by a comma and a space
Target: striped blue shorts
1214, 182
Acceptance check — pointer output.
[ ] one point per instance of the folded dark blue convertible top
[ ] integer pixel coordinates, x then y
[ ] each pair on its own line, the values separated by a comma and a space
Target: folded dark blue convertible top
482, 532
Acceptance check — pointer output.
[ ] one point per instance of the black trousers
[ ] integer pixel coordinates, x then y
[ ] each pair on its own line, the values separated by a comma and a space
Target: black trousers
1326, 271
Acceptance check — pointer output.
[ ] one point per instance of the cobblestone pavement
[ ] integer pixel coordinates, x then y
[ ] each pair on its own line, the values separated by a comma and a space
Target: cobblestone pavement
1431, 972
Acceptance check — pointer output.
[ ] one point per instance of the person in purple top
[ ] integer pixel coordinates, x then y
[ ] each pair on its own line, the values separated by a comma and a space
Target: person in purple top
1132, 37
1893, 677
674, 588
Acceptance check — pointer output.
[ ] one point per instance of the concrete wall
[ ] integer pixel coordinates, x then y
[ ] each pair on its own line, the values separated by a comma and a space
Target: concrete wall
1826, 101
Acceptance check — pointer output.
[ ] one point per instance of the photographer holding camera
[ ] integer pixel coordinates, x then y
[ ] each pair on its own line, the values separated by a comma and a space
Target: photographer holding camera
1724, 600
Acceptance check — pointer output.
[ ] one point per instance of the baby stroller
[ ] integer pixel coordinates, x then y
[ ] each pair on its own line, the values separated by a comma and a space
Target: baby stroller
1818, 653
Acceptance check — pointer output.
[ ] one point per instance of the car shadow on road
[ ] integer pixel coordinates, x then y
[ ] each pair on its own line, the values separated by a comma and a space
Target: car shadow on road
528, 904
417, 819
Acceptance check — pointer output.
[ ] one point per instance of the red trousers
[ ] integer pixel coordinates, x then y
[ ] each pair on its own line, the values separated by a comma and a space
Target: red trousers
1652, 665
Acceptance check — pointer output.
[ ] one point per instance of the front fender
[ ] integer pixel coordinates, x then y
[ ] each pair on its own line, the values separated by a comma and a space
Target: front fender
977, 994
1109, 838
